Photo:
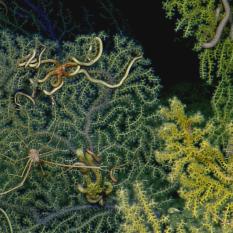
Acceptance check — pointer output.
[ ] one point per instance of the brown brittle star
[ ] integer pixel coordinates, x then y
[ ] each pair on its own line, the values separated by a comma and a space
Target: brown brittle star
59, 72
34, 157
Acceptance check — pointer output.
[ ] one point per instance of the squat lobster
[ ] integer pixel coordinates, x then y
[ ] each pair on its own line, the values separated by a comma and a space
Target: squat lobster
34, 157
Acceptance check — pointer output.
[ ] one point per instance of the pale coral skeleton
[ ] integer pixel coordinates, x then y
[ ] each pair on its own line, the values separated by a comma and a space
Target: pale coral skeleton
60, 72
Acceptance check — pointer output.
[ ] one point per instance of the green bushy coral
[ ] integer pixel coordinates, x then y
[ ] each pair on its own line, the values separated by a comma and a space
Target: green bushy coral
202, 20
196, 18
117, 124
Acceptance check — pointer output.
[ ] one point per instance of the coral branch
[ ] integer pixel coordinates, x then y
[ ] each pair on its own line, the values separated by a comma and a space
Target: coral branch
221, 26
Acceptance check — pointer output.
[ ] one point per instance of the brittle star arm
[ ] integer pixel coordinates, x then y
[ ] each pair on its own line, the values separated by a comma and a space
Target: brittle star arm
83, 71
95, 59
8, 220
54, 89
37, 65
23, 94
220, 27
30, 58
50, 74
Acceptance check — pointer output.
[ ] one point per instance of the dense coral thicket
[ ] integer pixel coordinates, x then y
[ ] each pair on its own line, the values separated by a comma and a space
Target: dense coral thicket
141, 213
140, 216
115, 124
203, 171
210, 23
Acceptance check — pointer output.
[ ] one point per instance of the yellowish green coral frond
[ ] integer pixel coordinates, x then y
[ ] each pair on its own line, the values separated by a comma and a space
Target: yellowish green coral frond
201, 169
140, 216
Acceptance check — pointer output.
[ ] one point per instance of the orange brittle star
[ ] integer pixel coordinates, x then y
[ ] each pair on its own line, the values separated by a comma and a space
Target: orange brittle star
59, 72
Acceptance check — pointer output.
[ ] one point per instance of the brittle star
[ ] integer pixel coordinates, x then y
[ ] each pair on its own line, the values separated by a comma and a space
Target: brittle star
60, 71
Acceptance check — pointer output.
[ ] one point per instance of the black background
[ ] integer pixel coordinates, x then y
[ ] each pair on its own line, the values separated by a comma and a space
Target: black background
172, 57
145, 22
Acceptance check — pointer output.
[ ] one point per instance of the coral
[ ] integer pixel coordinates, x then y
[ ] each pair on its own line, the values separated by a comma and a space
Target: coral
179, 137
204, 173
140, 216
199, 19
215, 61
141, 213
222, 104
196, 18
38, 17
117, 124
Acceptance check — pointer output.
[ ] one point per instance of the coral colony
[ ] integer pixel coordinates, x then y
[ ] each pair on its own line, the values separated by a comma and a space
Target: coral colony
87, 146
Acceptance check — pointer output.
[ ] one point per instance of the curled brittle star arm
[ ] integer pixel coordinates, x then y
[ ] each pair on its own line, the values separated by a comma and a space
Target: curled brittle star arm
83, 71
74, 72
94, 200
57, 81
50, 74
8, 220
29, 59
54, 89
20, 64
99, 41
111, 173
221, 26
37, 64
17, 94
53, 61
